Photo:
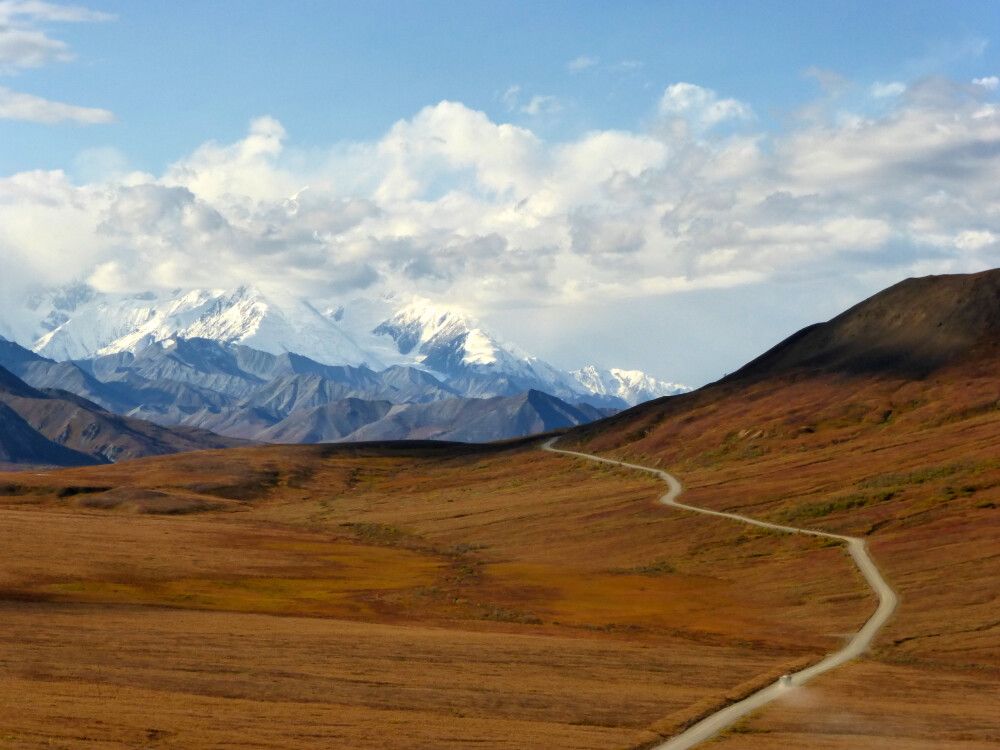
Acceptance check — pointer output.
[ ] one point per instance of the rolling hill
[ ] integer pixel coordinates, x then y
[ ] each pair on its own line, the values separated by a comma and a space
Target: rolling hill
20, 443
884, 423
55, 427
911, 329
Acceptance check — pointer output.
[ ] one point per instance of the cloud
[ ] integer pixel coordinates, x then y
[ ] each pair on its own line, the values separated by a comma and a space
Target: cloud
30, 108
581, 63
973, 240
452, 204
830, 81
510, 97
28, 48
12, 11
539, 104
627, 66
990, 83
885, 90
24, 44
701, 106
243, 171
542, 104
585, 62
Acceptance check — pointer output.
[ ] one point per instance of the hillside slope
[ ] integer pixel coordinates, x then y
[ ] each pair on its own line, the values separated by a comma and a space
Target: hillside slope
909, 329
459, 595
84, 431
882, 423
20, 443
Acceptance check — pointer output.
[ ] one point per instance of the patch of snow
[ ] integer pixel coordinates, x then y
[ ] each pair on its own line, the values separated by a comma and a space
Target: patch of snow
111, 324
480, 349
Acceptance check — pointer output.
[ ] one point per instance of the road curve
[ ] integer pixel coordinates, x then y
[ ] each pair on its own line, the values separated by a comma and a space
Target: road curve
858, 643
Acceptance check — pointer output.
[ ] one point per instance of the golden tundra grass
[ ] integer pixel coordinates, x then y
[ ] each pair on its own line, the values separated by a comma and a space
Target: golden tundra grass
384, 601
363, 597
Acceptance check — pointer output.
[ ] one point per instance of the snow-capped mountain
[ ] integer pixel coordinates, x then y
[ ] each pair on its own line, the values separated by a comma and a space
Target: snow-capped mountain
109, 324
77, 323
631, 386
454, 345
431, 331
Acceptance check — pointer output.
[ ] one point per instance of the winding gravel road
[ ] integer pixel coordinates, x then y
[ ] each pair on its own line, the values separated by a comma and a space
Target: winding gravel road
858, 643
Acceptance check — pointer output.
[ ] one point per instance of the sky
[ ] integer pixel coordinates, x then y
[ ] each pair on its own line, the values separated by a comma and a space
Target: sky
669, 186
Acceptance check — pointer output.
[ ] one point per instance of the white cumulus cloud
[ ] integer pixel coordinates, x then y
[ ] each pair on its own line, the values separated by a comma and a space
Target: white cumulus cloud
30, 108
450, 203
701, 106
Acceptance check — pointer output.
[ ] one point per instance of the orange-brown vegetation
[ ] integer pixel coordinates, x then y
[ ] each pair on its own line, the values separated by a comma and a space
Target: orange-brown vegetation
345, 597
452, 597
912, 465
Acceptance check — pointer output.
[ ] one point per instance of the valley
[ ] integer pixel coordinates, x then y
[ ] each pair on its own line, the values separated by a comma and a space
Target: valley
595, 641
499, 375
387, 594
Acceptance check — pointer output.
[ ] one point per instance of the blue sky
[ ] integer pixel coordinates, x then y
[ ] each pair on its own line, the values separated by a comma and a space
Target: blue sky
712, 174
179, 73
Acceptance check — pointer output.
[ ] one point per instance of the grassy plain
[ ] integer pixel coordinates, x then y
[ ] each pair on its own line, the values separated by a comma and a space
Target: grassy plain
361, 597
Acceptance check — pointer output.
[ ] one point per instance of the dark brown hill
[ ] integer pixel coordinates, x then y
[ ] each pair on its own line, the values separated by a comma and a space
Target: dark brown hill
911, 329
882, 423
948, 326
83, 431
20, 443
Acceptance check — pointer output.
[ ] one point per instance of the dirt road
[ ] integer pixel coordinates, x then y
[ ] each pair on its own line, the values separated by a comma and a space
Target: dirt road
858, 643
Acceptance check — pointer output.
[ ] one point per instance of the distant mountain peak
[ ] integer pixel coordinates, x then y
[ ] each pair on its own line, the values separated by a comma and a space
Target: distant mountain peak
631, 386
109, 324
77, 323
429, 330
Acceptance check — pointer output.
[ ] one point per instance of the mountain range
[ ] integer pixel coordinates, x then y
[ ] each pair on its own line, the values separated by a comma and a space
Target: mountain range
108, 378
881, 424
250, 366
78, 323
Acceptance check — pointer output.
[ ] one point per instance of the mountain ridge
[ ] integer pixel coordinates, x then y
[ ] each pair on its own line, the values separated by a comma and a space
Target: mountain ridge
911, 328
238, 392
906, 333
78, 323
50, 426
